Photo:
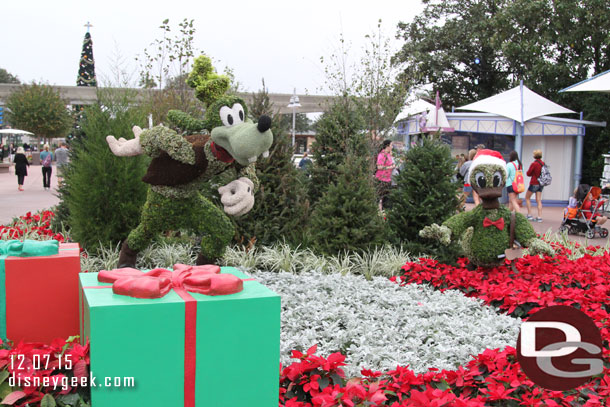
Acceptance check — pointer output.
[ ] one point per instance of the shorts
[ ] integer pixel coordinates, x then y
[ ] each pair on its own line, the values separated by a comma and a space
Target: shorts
467, 189
510, 189
383, 188
535, 188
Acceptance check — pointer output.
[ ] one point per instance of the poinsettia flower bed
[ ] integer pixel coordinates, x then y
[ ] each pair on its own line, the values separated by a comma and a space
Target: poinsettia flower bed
379, 325
491, 378
31, 226
36, 374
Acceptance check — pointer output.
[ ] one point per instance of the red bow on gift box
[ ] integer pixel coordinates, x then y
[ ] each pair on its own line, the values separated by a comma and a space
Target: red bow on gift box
497, 223
158, 282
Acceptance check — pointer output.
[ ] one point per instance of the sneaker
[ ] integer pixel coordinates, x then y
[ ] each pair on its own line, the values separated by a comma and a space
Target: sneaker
530, 217
539, 220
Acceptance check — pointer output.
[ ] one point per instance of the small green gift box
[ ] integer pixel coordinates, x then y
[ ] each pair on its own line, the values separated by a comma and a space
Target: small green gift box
200, 351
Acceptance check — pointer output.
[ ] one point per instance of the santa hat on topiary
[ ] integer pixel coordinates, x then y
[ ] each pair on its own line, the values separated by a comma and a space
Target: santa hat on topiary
486, 157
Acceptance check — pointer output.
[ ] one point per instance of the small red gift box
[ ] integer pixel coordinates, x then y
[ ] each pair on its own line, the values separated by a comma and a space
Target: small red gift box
42, 296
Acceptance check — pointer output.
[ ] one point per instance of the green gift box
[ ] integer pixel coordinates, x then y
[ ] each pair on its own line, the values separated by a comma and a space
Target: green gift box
226, 356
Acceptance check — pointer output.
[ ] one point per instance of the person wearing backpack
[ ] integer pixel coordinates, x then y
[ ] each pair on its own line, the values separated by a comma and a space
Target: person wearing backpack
46, 159
535, 187
514, 180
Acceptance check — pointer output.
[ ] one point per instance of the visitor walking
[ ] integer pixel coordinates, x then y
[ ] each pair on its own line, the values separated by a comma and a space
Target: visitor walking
12, 151
383, 175
535, 187
62, 159
305, 162
46, 158
511, 170
21, 167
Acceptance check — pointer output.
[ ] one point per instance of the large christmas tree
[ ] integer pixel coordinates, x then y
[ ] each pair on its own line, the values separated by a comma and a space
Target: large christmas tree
86, 70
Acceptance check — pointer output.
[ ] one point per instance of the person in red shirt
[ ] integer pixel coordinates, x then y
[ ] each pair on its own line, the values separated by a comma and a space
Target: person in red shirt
535, 187
383, 175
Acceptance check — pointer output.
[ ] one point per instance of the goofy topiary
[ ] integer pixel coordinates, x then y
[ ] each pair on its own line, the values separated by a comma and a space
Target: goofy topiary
484, 232
181, 167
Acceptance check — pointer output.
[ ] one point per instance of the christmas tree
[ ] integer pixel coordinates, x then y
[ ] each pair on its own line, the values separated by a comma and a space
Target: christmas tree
281, 206
347, 216
338, 131
425, 194
86, 70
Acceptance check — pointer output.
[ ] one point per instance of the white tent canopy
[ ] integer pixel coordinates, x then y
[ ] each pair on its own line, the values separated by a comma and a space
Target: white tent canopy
15, 131
598, 83
417, 107
432, 118
519, 103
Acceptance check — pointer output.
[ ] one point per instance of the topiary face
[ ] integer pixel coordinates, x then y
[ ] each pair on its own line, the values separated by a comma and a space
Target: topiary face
488, 180
232, 130
212, 114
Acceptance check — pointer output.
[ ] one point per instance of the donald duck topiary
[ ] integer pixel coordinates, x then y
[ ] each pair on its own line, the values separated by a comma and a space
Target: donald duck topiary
485, 231
183, 166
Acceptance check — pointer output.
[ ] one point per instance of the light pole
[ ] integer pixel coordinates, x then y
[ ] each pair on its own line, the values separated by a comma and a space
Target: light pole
294, 103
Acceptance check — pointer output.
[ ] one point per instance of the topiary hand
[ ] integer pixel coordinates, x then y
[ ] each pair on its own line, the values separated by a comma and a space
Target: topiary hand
437, 232
237, 196
538, 246
126, 148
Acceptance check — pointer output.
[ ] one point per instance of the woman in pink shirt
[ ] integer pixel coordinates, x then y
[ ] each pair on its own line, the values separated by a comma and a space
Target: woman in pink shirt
385, 165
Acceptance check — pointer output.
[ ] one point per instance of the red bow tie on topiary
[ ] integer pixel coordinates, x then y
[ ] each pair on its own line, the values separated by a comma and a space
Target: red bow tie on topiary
497, 223
158, 282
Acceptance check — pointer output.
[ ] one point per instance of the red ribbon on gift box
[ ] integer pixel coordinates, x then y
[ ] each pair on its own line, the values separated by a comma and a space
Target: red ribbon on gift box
158, 282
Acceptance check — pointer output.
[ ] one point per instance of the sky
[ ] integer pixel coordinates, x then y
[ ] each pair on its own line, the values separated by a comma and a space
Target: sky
280, 41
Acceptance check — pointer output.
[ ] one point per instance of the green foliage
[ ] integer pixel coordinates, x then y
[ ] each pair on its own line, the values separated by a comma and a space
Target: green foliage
185, 122
338, 132
424, 195
6, 77
208, 85
280, 207
301, 122
550, 45
104, 193
347, 216
39, 108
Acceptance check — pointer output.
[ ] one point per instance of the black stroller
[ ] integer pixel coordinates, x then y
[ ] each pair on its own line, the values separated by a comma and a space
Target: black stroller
583, 219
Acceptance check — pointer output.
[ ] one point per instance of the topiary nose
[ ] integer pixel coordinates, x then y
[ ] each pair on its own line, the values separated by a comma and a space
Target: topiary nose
264, 123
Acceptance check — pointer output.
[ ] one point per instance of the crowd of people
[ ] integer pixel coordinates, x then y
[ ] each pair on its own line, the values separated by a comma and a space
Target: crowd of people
513, 167
19, 158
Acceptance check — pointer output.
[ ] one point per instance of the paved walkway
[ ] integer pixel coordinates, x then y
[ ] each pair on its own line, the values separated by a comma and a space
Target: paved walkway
552, 218
15, 203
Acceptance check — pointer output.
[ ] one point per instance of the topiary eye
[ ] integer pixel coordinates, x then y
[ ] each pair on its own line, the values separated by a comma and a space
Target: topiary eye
238, 113
480, 179
497, 178
226, 115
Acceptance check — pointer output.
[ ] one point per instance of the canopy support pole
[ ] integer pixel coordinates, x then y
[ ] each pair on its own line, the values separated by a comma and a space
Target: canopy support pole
580, 141
519, 140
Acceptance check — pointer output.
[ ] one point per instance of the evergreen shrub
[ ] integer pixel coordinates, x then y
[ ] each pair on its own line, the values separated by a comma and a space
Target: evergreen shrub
347, 218
339, 131
104, 193
424, 195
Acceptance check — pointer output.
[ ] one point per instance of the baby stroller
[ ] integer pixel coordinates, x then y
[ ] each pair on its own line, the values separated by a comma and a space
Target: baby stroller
583, 218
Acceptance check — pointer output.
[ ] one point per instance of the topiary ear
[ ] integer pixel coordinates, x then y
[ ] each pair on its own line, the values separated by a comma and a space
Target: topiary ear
208, 85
